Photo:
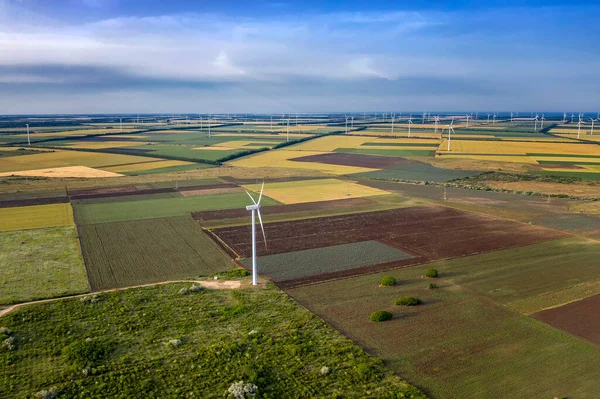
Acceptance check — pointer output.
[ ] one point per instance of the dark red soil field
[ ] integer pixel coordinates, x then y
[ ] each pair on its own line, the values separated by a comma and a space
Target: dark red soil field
432, 232
33, 201
131, 190
269, 210
365, 161
581, 318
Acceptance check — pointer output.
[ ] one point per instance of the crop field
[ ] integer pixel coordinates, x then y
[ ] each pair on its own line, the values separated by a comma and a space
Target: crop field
145, 166
229, 338
580, 318
147, 251
40, 263
314, 190
158, 208
281, 158
457, 344
35, 217
364, 161
399, 152
416, 171
330, 143
311, 262
428, 232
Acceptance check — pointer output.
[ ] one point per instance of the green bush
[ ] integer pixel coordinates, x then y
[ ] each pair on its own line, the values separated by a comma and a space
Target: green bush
407, 301
233, 274
388, 281
380, 315
431, 273
88, 352
432, 286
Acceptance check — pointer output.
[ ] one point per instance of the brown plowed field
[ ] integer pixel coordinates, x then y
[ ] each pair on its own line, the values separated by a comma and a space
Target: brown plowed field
33, 201
365, 161
269, 210
581, 318
433, 232
131, 190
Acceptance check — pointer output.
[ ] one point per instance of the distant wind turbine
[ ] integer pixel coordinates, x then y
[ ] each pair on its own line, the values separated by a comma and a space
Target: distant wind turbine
489, 118
410, 122
346, 123
255, 208
542, 121
592, 131
579, 129
393, 117
450, 130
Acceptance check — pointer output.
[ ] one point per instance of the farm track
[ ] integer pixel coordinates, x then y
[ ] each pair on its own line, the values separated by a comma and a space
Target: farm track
222, 285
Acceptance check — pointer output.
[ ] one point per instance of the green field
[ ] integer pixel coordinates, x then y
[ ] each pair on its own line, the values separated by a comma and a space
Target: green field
457, 343
158, 208
258, 336
146, 251
311, 262
40, 263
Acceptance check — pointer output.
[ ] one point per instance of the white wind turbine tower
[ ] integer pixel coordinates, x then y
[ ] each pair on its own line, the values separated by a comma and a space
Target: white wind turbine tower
393, 117
255, 208
535, 123
592, 131
450, 130
564, 117
572, 116
489, 118
346, 123
542, 121
410, 122
352, 122
579, 129
494, 120
423, 118
511, 117
28, 142
436, 119
468, 120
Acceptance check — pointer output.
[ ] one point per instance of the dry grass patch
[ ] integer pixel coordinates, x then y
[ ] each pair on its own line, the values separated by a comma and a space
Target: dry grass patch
68, 171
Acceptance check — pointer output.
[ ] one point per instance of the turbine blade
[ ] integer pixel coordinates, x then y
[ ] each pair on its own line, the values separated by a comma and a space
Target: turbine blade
262, 228
251, 198
261, 191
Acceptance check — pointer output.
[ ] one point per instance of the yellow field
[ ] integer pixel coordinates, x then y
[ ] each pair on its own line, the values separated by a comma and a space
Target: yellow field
314, 190
330, 143
399, 132
67, 171
35, 217
281, 159
59, 158
497, 158
145, 166
294, 135
104, 144
586, 136
514, 147
244, 144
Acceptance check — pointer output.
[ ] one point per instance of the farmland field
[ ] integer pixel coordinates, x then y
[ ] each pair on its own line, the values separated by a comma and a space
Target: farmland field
40, 263
457, 344
311, 262
146, 251
427, 231
158, 208
35, 217
315, 190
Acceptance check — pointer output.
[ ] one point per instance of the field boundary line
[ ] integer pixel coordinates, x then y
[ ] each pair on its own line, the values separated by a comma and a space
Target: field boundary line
211, 284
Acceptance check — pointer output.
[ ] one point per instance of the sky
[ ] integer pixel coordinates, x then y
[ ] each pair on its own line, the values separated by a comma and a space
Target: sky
263, 56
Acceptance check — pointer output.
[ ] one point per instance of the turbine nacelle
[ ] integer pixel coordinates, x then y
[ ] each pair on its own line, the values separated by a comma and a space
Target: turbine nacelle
252, 207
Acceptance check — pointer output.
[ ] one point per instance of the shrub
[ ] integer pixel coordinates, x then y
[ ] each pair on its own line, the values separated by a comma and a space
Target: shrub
239, 390
5, 330
431, 273
195, 288
183, 291
8, 343
324, 370
407, 301
432, 286
47, 394
88, 352
233, 274
174, 342
380, 315
388, 281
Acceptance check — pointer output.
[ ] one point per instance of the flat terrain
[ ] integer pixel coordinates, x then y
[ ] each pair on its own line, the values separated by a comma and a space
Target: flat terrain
257, 336
580, 318
39, 264
365, 161
146, 251
434, 232
35, 217
456, 344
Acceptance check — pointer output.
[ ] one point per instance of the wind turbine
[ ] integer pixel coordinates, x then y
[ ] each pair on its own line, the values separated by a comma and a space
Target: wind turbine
564, 117
572, 116
352, 122
467, 120
423, 119
579, 128
436, 119
346, 123
535, 123
592, 131
542, 122
393, 117
450, 130
28, 142
511, 117
410, 122
255, 208
494, 120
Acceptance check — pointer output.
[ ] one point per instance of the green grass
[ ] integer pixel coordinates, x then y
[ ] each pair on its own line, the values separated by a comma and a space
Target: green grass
457, 343
581, 175
158, 208
389, 153
433, 144
40, 263
258, 336
311, 262
184, 151
146, 251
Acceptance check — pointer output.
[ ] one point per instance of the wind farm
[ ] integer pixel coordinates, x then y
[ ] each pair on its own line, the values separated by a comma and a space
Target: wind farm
299, 200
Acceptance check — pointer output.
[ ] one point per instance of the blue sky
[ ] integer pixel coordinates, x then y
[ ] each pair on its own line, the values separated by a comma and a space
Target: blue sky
102, 56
